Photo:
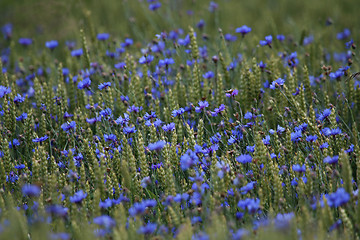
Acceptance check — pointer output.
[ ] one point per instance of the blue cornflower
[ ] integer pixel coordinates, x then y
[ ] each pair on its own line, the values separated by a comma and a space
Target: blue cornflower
218, 110
308, 40
78, 197
335, 131
243, 30
324, 145
166, 62
19, 99
200, 24
4, 91
20, 166
120, 65
106, 112
240, 233
244, 158
231, 93
249, 115
105, 221
51, 44
338, 198
280, 129
68, 126
292, 60
262, 65
344, 34
7, 30
22, 117
250, 148
277, 83
15, 142
331, 160
25, 41
280, 37
230, 38
350, 44
252, 205
77, 52
208, 75
31, 190
248, 187
336, 75
84, 83
169, 127
157, 145
146, 59
40, 139
128, 42
266, 140
147, 229
110, 137
188, 160
103, 36
128, 130
213, 6
282, 221
154, 6
267, 41
104, 85
311, 138
299, 168
325, 114
177, 112
202, 105
296, 136
57, 210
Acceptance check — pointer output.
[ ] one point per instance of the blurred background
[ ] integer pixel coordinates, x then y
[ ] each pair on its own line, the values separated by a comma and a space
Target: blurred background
54, 19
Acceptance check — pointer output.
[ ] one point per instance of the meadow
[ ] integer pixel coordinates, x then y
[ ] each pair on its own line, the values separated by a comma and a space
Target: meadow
169, 119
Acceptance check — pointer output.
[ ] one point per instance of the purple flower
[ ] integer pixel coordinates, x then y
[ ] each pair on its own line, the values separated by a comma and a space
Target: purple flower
267, 41
280, 37
22, 117
244, 158
308, 40
154, 6
68, 126
344, 34
311, 138
147, 229
51, 44
84, 83
77, 52
326, 113
299, 168
104, 85
208, 75
213, 6
103, 36
31, 190
230, 38
25, 41
202, 105
105, 221
157, 145
248, 187
40, 139
331, 160
338, 198
277, 83
188, 160
78, 197
282, 221
178, 112
146, 59
296, 136
252, 205
218, 110
169, 127
243, 30
4, 91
